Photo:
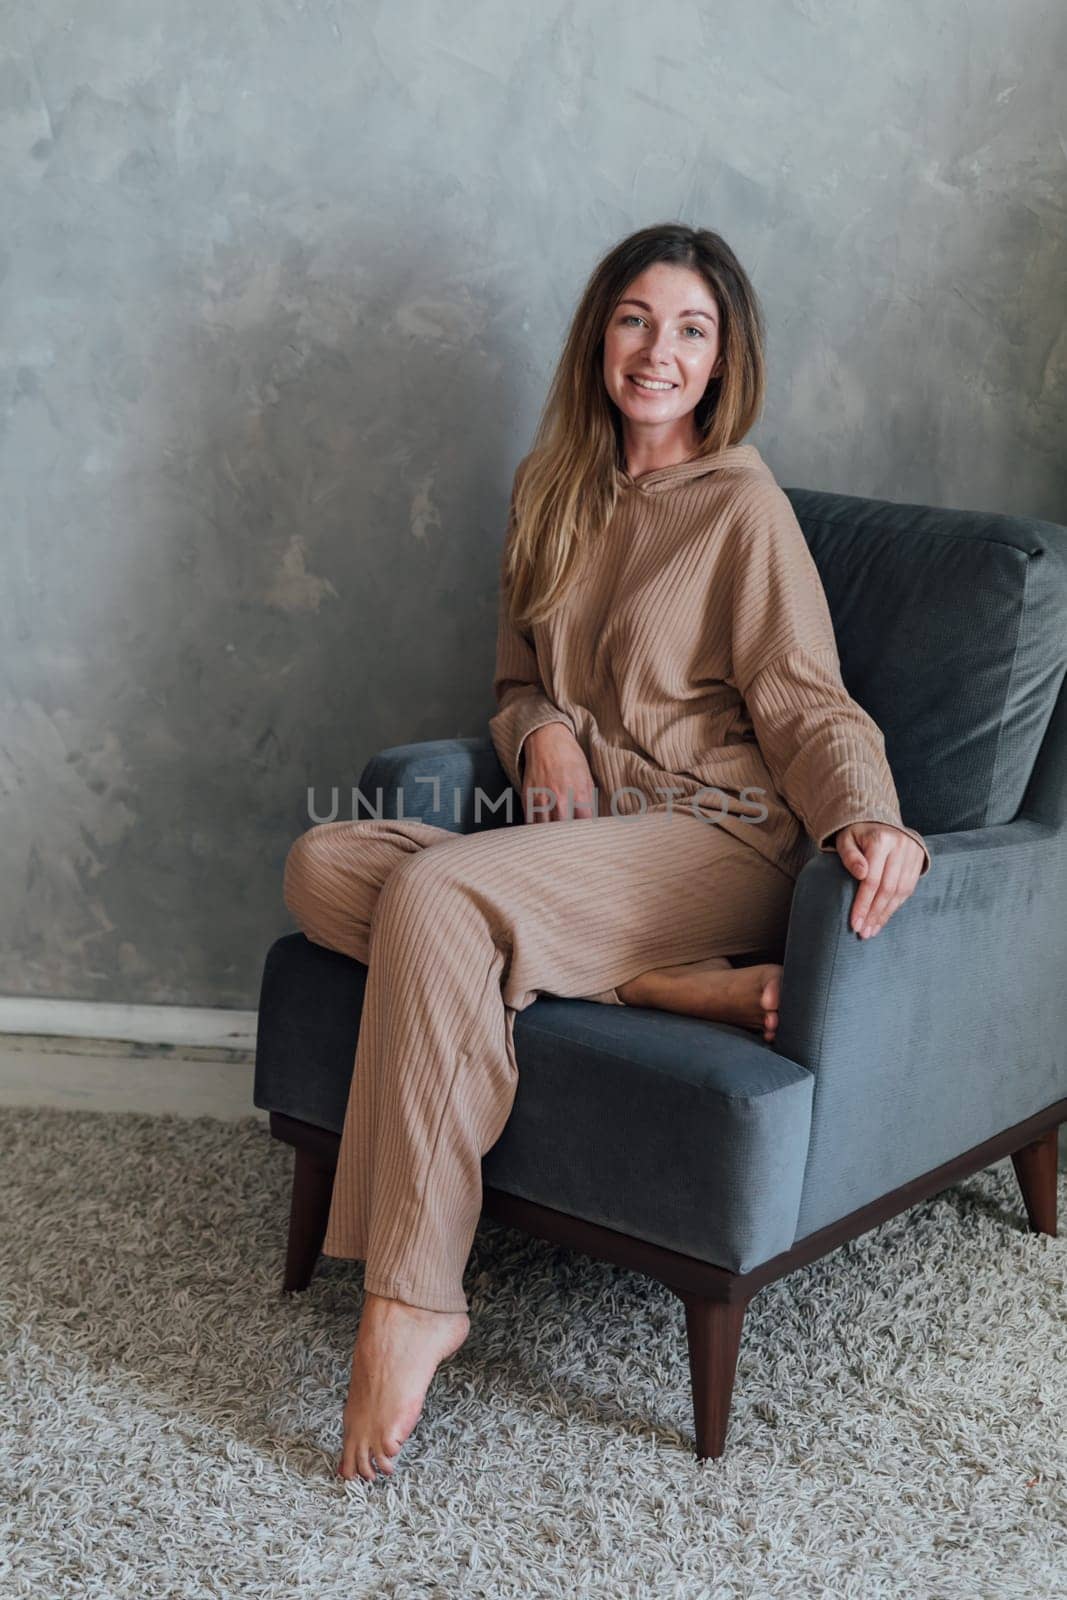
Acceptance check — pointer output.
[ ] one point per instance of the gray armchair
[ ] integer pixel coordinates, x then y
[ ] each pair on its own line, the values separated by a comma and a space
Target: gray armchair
694, 1151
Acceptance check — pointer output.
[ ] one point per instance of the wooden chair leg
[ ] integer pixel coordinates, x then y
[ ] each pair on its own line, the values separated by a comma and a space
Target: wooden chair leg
1035, 1168
713, 1328
308, 1215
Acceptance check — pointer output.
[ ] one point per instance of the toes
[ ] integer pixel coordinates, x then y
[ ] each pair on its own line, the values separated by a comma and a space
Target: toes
363, 1464
346, 1467
771, 990
384, 1454
353, 1469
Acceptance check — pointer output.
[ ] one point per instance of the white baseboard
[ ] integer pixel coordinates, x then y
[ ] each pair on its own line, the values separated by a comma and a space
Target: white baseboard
89, 1056
176, 1026
107, 1075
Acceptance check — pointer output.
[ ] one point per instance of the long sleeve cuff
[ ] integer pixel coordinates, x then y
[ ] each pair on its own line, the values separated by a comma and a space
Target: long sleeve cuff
515, 720
826, 843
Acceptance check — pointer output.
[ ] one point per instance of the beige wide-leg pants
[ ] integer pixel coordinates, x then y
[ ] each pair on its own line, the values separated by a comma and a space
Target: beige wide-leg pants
461, 931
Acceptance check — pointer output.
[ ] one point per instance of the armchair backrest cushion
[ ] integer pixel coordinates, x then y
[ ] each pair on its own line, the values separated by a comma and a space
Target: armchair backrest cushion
951, 628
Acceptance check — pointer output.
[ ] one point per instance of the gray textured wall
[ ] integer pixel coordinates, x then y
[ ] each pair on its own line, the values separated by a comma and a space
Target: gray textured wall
281, 286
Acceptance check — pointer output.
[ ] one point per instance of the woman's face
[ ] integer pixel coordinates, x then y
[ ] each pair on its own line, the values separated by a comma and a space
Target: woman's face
664, 327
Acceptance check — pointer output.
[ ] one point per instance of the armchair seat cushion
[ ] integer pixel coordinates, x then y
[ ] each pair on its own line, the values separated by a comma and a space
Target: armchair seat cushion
692, 1135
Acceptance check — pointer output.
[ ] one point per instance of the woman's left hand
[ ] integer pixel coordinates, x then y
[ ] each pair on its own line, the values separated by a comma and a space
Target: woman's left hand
887, 863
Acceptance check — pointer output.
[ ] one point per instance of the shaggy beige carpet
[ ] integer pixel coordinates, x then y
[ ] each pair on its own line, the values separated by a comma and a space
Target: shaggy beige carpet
170, 1423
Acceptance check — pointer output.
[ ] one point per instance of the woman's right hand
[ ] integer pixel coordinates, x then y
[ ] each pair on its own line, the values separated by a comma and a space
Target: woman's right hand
554, 760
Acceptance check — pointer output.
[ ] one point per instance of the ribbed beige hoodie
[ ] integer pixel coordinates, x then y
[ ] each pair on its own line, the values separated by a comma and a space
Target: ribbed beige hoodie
696, 652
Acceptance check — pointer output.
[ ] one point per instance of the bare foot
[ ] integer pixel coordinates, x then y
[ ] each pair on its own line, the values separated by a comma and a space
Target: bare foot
746, 996
397, 1351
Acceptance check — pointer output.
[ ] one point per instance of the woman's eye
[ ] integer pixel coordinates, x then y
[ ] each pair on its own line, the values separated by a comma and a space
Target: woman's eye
631, 316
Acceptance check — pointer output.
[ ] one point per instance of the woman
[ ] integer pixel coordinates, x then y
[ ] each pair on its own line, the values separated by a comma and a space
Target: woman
669, 699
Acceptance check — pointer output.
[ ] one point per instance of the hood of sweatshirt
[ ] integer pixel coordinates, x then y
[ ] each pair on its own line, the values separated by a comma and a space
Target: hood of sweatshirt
731, 458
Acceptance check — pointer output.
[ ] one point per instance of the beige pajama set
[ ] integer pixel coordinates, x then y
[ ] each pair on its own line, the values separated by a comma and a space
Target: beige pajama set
694, 661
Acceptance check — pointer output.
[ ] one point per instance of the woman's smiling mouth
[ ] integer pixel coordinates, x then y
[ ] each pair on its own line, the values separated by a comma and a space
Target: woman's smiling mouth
650, 385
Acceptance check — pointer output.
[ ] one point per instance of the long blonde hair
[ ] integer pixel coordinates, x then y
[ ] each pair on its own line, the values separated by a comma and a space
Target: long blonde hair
567, 489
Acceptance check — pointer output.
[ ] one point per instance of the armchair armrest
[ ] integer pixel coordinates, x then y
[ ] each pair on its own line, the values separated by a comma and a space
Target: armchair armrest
457, 784
947, 1027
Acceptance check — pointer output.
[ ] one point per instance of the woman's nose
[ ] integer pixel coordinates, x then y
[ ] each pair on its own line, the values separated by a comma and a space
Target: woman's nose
658, 348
